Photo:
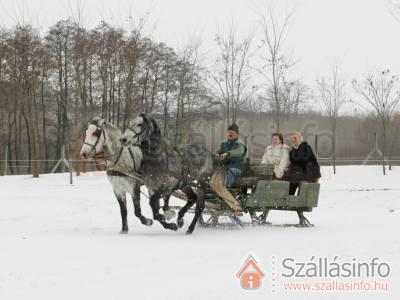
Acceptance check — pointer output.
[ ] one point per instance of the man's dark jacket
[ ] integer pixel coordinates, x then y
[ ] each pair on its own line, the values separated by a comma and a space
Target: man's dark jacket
236, 153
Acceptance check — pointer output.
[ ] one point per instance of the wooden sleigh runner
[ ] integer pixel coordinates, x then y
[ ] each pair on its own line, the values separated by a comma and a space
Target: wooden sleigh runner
258, 193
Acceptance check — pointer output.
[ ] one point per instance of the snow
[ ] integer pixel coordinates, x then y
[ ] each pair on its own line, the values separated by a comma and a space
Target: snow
61, 241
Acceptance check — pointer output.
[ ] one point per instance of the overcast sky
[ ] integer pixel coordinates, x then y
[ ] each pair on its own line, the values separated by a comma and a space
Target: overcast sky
361, 35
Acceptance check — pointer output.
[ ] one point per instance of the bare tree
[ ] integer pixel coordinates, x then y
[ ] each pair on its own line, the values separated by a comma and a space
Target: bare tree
232, 70
167, 83
332, 94
381, 92
292, 95
51, 85
26, 45
58, 43
185, 75
278, 63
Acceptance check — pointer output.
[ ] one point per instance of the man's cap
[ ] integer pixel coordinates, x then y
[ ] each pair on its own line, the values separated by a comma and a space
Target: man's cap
234, 127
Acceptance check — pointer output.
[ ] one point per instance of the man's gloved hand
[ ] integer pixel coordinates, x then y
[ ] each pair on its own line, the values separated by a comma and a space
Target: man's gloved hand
223, 156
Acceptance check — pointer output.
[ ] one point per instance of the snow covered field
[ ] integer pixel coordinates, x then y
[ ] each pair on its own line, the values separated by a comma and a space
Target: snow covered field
59, 241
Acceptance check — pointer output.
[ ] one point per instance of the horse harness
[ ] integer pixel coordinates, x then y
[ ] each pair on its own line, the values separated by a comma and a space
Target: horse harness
100, 131
119, 156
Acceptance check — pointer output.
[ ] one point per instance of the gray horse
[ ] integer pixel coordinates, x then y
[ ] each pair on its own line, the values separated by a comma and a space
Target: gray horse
166, 167
102, 141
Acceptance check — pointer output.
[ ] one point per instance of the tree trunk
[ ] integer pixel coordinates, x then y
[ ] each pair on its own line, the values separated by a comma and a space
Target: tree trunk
383, 151
334, 147
45, 146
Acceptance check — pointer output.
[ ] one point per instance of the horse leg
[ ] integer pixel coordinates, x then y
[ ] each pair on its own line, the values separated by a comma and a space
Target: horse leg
168, 213
263, 217
124, 212
192, 198
155, 206
253, 215
137, 207
198, 210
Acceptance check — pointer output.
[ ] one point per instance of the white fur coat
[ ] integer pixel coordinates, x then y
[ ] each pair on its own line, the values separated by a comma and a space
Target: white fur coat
277, 155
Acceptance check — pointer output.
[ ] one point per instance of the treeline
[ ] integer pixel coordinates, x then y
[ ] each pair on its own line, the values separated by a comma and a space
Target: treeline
51, 85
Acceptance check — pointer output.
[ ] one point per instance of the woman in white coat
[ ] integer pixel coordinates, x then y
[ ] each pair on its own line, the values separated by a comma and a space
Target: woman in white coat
277, 155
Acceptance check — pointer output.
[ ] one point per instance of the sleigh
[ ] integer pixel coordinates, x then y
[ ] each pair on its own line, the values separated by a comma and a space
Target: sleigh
258, 194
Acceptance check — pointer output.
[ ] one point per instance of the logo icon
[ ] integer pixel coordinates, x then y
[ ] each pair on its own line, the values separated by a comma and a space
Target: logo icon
250, 274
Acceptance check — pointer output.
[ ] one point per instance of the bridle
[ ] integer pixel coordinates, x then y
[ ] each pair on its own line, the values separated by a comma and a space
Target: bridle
99, 131
137, 134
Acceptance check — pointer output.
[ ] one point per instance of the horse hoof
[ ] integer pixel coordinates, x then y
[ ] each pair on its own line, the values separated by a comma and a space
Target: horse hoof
169, 214
124, 231
147, 222
189, 232
180, 223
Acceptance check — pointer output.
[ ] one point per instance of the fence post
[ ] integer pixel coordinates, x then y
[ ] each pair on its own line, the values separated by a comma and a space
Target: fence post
70, 171
316, 145
5, 162
376, 147
63, 158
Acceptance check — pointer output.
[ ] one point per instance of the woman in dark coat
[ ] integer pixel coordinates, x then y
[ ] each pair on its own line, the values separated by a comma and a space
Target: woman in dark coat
303, 164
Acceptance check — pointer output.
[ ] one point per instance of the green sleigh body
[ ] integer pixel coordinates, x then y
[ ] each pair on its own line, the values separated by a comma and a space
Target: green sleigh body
259, 193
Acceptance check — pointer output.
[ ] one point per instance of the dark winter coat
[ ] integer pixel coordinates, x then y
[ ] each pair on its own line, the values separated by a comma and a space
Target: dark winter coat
236, 153
303, 165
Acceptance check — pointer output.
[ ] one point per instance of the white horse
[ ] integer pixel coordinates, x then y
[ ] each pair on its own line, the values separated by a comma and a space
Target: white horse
102, 141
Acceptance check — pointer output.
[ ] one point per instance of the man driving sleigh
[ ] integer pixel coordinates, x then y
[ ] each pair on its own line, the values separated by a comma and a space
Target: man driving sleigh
232, 153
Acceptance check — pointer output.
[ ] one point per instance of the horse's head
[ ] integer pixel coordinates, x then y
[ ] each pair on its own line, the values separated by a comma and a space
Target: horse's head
95, 139
139, 130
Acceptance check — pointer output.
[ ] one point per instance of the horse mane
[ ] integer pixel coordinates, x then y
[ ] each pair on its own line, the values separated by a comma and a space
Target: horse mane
113, 131
154, 136
156, 128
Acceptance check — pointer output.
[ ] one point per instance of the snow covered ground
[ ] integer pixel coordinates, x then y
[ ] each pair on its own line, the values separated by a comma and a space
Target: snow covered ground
59, 241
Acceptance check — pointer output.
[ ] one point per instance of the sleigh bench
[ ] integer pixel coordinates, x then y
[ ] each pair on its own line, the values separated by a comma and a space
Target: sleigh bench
274, 195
